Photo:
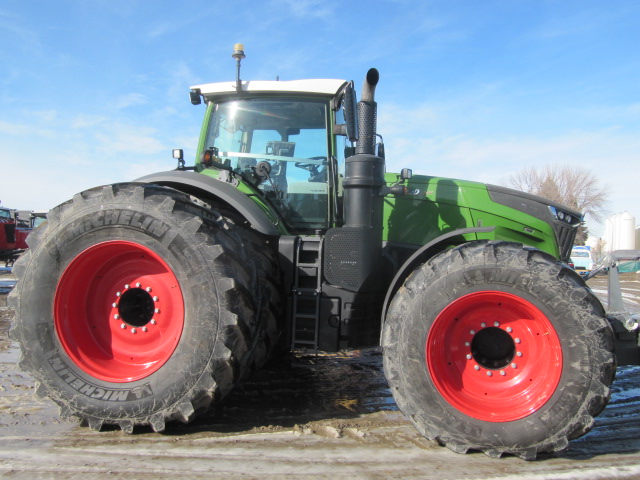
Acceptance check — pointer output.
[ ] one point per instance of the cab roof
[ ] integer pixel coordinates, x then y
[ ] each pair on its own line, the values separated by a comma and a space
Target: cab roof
323, 86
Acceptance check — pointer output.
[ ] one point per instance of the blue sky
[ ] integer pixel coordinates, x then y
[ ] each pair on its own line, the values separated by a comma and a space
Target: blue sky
96, 91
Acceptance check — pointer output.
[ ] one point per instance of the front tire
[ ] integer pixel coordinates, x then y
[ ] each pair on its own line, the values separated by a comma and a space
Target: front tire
136, 306
496, 347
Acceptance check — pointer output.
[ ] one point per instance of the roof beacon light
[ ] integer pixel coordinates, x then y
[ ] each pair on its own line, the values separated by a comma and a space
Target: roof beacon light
238, 54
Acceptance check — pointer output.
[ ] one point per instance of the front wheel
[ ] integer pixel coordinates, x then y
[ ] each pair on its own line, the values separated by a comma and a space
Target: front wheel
499, 348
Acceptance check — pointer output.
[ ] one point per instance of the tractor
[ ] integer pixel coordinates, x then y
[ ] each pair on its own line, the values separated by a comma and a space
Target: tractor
13, 234
145, 302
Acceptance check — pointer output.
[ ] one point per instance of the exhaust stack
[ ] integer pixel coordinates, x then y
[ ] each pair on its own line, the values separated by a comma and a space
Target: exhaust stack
354, 251
367, 114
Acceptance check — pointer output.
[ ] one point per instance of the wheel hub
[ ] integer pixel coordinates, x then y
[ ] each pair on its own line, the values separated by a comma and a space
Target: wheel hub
493, 348
119, 311
494, 356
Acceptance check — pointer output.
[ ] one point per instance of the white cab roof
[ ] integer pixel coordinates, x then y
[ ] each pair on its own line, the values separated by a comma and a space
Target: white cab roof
320, 86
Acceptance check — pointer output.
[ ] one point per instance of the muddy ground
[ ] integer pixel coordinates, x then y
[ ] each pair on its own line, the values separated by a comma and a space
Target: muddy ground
323, 416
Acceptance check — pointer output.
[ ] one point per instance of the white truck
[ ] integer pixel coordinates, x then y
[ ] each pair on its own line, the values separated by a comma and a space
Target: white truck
582, 259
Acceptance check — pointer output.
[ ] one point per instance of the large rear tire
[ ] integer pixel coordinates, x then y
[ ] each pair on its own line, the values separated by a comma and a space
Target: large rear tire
136, 306
496, 347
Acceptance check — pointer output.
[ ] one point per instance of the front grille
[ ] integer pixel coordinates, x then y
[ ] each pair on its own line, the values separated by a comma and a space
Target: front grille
565, 234
10, 232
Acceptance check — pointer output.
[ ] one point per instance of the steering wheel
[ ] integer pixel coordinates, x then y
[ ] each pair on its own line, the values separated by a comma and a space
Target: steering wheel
312, 167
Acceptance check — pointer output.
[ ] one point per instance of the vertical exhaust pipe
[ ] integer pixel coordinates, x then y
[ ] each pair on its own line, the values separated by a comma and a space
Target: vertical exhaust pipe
367, 114
354, 251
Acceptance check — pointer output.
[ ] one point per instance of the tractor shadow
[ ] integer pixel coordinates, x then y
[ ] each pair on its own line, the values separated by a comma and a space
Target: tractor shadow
298, 390
339, 387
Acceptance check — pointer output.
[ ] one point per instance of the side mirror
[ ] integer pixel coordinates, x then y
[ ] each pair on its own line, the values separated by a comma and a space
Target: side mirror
351, 112
194, 94
406, 174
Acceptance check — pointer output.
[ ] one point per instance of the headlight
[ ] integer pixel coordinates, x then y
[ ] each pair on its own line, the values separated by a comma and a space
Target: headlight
563, 217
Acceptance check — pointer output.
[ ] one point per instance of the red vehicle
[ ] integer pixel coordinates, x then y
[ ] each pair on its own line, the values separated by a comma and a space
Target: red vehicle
14, 229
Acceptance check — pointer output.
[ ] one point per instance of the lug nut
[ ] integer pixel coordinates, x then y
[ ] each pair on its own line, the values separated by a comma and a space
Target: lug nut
517, 340
514, 365
469, 357
466, 344
509, 329
116, 316
126, 286
138, 284
148, 289
496, 324
144, 329
472, 332
155, 298
503, 373
153, 322
123, 326
476, 367
118, 294
489, 374
519, 354
483, 324
133, 330
156, 310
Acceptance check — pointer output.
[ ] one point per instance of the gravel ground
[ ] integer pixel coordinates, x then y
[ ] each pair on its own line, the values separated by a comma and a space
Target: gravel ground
322, 416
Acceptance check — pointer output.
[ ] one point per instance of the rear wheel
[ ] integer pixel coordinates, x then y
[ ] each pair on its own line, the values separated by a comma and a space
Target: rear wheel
136, 306
515, 355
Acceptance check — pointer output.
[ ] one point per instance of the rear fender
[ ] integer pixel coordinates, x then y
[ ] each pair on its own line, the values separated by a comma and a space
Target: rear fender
206, 188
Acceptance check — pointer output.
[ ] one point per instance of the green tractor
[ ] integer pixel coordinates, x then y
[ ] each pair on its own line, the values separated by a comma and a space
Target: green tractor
145, 302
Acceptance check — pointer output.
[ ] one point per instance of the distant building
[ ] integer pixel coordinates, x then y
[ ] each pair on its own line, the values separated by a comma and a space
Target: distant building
621, 232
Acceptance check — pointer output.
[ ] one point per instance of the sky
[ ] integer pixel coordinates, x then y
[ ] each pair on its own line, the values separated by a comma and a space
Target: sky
94, 92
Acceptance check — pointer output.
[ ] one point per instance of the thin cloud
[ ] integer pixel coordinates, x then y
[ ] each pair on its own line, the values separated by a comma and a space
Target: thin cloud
129, 100
305, 8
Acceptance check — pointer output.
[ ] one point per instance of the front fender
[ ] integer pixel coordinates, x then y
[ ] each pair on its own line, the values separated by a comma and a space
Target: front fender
421, 255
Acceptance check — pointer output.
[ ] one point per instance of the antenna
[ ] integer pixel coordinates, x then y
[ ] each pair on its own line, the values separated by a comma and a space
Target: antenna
238, 54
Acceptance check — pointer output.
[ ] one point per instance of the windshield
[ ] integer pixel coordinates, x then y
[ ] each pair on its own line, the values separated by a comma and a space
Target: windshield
291, 136
580, 253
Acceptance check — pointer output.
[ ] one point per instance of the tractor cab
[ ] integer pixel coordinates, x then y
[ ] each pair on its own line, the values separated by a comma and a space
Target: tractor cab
278, 138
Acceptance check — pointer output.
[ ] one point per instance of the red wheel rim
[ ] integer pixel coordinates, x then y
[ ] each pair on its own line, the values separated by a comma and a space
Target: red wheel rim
494, 356
118, 311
